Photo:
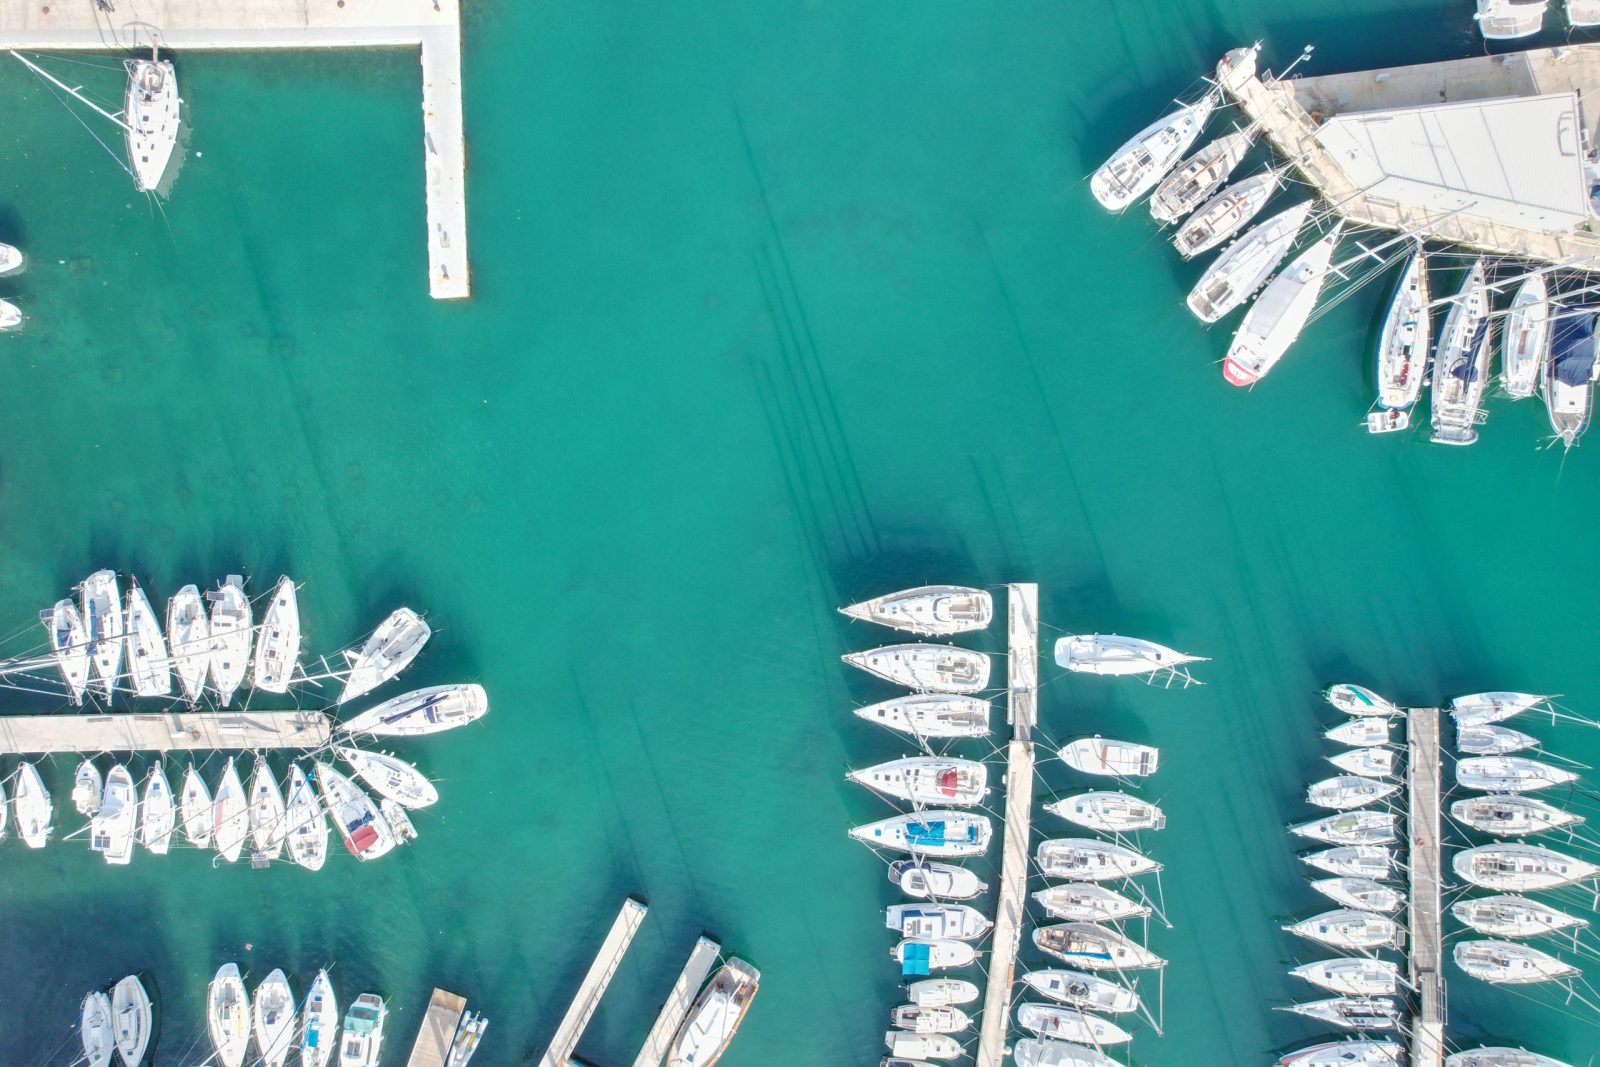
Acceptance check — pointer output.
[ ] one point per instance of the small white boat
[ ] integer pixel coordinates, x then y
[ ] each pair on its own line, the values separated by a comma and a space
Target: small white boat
307, 826
1508, 963
1567, 380
1511, 816
1492, 740
1375, 762
70, 645
1246, 264
938, 780
1097, 948
936, 922
1509, 774
231, 629
1347, 791
1461, 363
1357, 976
1478, 709
278, 644
87, 787
1083, 990
1520, 868
10, 316
926, 668
194, 808
228, 1016
1404, 344
130, 1020
1117, 656
160, 813
1042, 1052
1388, 421
919, 956
916, 1019
715, 1016
365, 832
1226, 213
1505, 20
391, 777
1354, 861
1509, 915
1089, 859
1346, 1054
152, 117
422, 711
1087, 902
274, 1015
31, 802
928, 610
401, 826
1525, 338
1197, 177
1351, 1013
940, 881
102, 627
1109, 812
1363, 732
925, 715
11, 260
1070, 1024
1361, 893
917, 1047
1350, 828
268, 827
95, 1029
1350, 928
1136, 167
319, 1024
111, 831
230, 814
146, 648
189, 641
362, 1041
941, 992
1116, 759
1359, 700
390, 650
1499, 1055
1279, 314
939, 833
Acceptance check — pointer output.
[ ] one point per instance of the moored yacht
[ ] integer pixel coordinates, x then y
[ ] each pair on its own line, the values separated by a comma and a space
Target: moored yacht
1116, 759
11, 316
1355, 699
1351, 1013
1509, 963
1136, 167
936, 922
11, 260
1275, 320
919, 1019
1509, 774
1070, 1024
1374, 762
1363, 732
1096, 948
1568, 377
362, 1040
1492, 740
925, 715
1461, 363
1353, 861
278, 645
152, 118
189, 640
1361, 893
70, 645
1348, 1053
1356, 976
920, 956
926, 668
228, 1016
938, 780
1500, 1056
928, 610
1511, 816
390, 776
1509, 915
1118, 656
1476, 709
1350, 828
907, 1047
365, 832
194, 808
146, 648
1520, 868
1347, 791
159, 813
1525, 338
1109, 812
423, 711
938, 833
1350, 928
319, 1024
266, 812
1045, 1052
230, 814
715, 1016
1225, 214
31, 802
1089, 859
111, 831
87, 787
390, 650
130, 1020
95, 1030
942, 881
1505, 20
231, 629
1245, 265
1197, 177
307, 826
1083, 990
273, 1011
1088, 902
102, 626
941, 992
1404, 345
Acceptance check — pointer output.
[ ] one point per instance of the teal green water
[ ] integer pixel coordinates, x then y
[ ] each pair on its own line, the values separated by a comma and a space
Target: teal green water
775, 306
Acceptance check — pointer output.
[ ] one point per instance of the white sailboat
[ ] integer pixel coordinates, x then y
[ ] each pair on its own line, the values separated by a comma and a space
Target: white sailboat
1226, 213
1461, 363
146, 648
1568, 377
1082, 990
1520, 868
102, 624
194, 808
1117, 656
31, 802
1508, 963
939, 881
231, 629
1361, 893
189, 640
1404, 343
130, 1020
1525, 338
1351, 1013
1500, 1055
230, 814
1374, 762
390, 650
906, 1047
274, 1015
95, 1030
319, 1024
422, 711
1506, 20
1511, 915
1478, 709
160, 813
941, 992
1350, 928
937, 922
1089, 859
1070, 1024
926, 668
1088, 902
931, 715
1136, 167
1347, 791
1348, 1053
10, 316
228, 1016
278, 644
111, 831
917, 1019
936, 780
714, 1018
1042, 1052
1356, 976
1362, 732
1197, 177
362, 827
1109, 812
11, 260
1509, 774
1096, 948
1275, 320
1246, 264
1350, 828
266, 812
307, 826
389, 776
1492, 740
1354, 861
87, 787
69, 643
941, 834
153, 116
1512, 816
1116, 759
1358, 700
928, 610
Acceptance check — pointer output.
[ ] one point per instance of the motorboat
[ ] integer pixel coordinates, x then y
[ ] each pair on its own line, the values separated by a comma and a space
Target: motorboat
1511, 816
231, 630
1505, 20
69, 643
1246, 264
230, 814
1356, 976
1510, 963
715, 1016
1109, 811
941, 992
1089, 859
1350, 928
146, 648
1385, 421
1461, 363
1520, 868
1196, 178
1095, 948
267, 824
390, 650
915, 1048
111, 830
390, 776
278, 643
1567, 381
1501, 1056
274, 1017
1525, 338
130, 1020
30, 801
918, 956
1347, 1053
1226, 213
1477, 709
940, 780
1116, 656
1115, 759
95, 1030
102, 627
189, 641
1347, 791
937, 922
941, 881
1359, 700
1351, 1013
319, 1024
1354, 861
1043, 1052
87, 788
928, 610
1509, 915
1088, 902
422, 711
1509, 774
194, 809
925, 1020
365, 832
362, 1039
931, 715
159, 813
305, 824
1350, 828
1279, 314
1082, 990
1363, 732
1492, 740
1404, 345
939, 833
926, 668
1374, 762
1136, 167
1070, 1024
228, 1016
152, 117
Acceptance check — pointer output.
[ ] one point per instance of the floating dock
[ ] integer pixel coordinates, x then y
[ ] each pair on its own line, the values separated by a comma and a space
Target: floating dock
678, 1003
605, 964
438, 1029
1427, 858
177, 731
433, 26
1022, 680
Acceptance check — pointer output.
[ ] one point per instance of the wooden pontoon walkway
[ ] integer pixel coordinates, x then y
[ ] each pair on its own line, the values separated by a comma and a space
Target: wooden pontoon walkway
438, 1029
176, 731
1427, 858
605, 964
678, 1003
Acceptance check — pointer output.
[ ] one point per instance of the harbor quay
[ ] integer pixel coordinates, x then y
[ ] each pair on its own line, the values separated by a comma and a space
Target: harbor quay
177, 731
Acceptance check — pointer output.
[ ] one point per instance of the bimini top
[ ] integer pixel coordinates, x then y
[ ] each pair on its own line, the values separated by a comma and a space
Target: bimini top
1572, 346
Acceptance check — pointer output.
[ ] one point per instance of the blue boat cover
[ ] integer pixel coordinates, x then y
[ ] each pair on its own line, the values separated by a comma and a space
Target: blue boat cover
915, 960
1572, 346
1466, 368
925, 833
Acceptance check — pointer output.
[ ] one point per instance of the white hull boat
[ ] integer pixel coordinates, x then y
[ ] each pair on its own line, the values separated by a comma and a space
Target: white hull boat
319, 1024
1509, 774
928, 780
94, 1027
267, 824
1568, 375
1374, 762
1461, 363
1083, 990
1089, 859
1506, 20
10, 316
153, 116
1225, 214
1500, 1056
1351, 1013
1492, 740
928, 610
926, 668
1346, 1054
1109, 812
87, 786
1070, 1024
1197, 177
146, 648
715, 1016
1508, 963
274, 1016
362, 1042
1348, 791
1136, 167
1246, 264
1520, 868
11, 260
102, 626
130, 1020
365, 832
159, 813
390, 650
1115, 656
70, 644
1508, 915
1350, 828
928, 715
1525, 338
1114, 759
423, 711
1354, 861
1477, 709
230, 814
231, 628
936, 922
1087, 902
941, 992
228, 1016
399, 824
189, 640
391, 777
1357, 976
278, 645
1042, 1052
31, 802
1404, 344
917, 1019
1349, 928
1279, 314
307, 837
937, 833
914, 1047
194, 808
111, 831
1095, 948
1359, 700
1511, 816
939, 881
933, 955
1364, 732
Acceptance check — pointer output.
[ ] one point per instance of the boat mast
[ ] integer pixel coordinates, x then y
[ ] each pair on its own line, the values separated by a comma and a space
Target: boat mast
69, 89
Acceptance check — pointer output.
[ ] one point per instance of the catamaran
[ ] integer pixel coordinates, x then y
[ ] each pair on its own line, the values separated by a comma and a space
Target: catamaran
1505, 20
1350, 928
1353, 861
230, 816
366, 833
1508, 963
130, 1020
1477, 709
111, 831
957, 922
1525, 338
390, 650
94, 1028
926, 668
1097, 948
1510, 915
1569, 373
938, 833
1347, 791
1491, 740
1357, 976
267, 828
1226, 213
715, 1016
1070, 1024
1238, 272
422, 711
941, 780
1087, 902
1199, 176
390, 776
70, 645
159, 811
1042, 1052
363, 1032
1461, 363
146, 648
1366, 731
1512, 816
102, 624
1358, 700
319, 1024
307, 826
1351, 1013
940, 881
1109, 812
1520, 868
87, 786
1350, 828
917, 1019
941, 992
1375, 762
1083, 990
928, 715
278, 645
928, 610
1404, 341
31, 802
1361, 893
1354, 1053
1509, 774
231, 629
274, 1011
1114, 655
1117, 759
194, 807
1136, 167
1279, 314
1090, 859
189, 638
228, 1016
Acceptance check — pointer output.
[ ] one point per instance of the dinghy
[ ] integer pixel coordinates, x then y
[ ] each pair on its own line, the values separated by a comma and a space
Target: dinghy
922, 780
363, 1032
1520, 868
94, 1027
1199, 176
1279, 314
1490, 740
919, 956
278, 646
230, 815
189, 639
1225, 214
1246, 264
1116, 759
1375, 762
152, 118
1509, 774
1357, 976
926, 668
1350, 828
928, 715
102, 627
1461, 363
267, 825
1500, 1056
715, 1016
1109, 812
1354, 861
928, 610
365, 832
1136, 167
423, 711
130, 1020
936, 833
901, 1043
1087, 902
1116, 656
1042, 1052
936, 922
1569, 373
941, 881
1351, 1013
1505, 20
390, 650
1350, 928
307, 827
1509, 915
146, 648
1348, 791
1525, 338
399, 824
1097, 948
319, 1024
228, 1016
1364, 732
1403, 348
1070, 1024
31, 802
69, 643
194, 808
1358, 700
941, 992
274, 1015
111, 831
1511, 816
87, 786
1083, 990
231, 629
160, 813
1089, 859
1478, 709
1508, 963
391, 777
1346, 1054
1361, 893
917, 1019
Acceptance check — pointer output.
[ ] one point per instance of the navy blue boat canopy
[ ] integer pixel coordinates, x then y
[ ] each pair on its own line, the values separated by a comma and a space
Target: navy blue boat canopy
1572, 345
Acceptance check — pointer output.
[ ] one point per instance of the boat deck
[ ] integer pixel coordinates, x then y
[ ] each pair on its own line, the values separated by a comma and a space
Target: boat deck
1427, 857
605, 965
177, 731
438, 1029
678, 1002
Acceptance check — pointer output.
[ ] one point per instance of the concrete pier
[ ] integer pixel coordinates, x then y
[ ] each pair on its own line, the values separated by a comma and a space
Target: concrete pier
433, 26
177, 731
1022, 679
605, 964
678, 1002
1427, 858
438, 1030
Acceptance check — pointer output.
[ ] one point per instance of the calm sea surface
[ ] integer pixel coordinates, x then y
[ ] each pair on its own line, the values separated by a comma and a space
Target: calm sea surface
775, 306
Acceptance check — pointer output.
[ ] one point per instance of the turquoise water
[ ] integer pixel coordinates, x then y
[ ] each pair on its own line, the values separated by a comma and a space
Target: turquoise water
775, 306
